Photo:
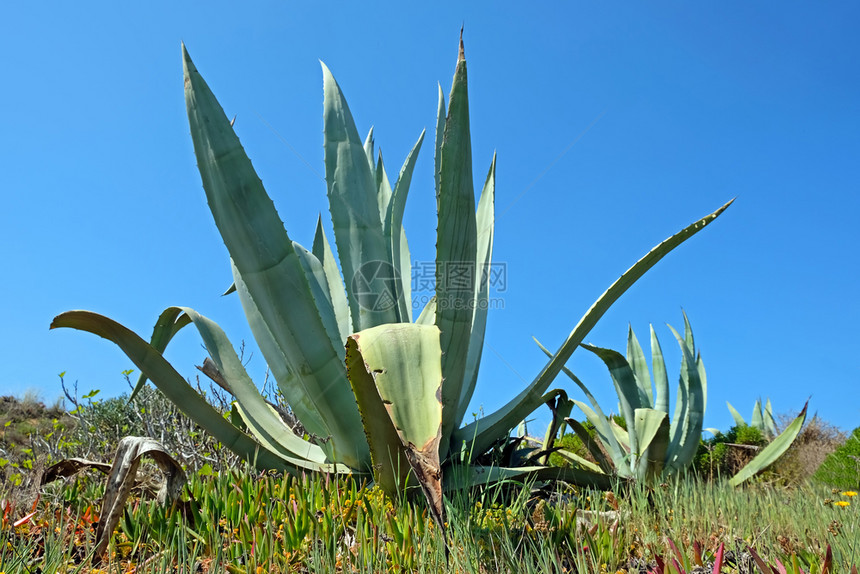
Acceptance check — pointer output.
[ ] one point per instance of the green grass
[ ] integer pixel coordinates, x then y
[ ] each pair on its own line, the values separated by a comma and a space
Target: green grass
235, 519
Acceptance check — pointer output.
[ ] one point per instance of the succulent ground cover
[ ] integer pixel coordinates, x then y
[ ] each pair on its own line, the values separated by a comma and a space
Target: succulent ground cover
232, 518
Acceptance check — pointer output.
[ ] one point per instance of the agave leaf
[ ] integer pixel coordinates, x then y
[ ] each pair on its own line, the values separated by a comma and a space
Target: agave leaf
637, 362
318, 282
369, 152
622, 436
271, 270
685, 442
121, 479
174, 386
265, 424
170, 322
688, 334
485, 219
596, 417
769, 422
428, 314
440, 135
772, 451
489, 428
456, 245
395, 371
590, 444
395, 235
337, 293
703, 378
355, 211
285, 368
757, 421
629, 393
606, 432
661, 377
383, 190
739, 420
576, 459
651, 428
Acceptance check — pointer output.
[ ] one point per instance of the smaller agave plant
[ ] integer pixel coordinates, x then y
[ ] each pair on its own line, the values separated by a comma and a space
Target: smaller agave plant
653, 446
761, 420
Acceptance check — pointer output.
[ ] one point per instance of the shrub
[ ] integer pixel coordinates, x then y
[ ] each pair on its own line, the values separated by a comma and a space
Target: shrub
814, 444
841, 469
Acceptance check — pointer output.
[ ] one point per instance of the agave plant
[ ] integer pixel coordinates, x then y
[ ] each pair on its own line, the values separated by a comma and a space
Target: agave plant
377, 392
761, 420
653, 447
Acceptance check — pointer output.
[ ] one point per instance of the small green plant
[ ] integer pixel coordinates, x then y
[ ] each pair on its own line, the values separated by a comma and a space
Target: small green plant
842, 468
761, 420
652, 448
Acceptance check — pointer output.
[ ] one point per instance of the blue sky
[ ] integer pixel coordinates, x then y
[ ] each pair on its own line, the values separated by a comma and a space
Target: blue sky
614, 126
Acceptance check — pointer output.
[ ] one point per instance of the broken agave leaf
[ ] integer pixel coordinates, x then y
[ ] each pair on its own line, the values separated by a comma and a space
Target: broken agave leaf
121, 479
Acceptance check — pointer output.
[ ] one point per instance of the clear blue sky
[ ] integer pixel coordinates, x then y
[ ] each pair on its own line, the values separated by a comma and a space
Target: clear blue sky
614, 126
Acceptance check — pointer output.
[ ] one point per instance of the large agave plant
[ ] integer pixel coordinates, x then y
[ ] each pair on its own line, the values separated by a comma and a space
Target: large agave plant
377, 392
653, 446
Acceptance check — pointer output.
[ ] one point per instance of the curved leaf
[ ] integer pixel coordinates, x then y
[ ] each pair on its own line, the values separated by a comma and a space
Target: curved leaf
489, 428
174, 387
771, 453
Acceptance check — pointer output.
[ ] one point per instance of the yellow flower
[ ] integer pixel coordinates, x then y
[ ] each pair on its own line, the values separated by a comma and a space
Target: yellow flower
849, 493
842, 503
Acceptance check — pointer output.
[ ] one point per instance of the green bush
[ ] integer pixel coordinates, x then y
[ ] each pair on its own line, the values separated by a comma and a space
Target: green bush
720, 455
841, 469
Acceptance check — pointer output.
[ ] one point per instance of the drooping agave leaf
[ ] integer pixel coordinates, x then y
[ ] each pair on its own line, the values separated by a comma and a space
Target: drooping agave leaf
771, 453
270, 268
121, 479
485, 219
636, 359
739, 420
170, 322
395, 371
355, 211
456, 245
322, 250
395, 235
266, 425
685, 442
177, 389
661, 377
487, 429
